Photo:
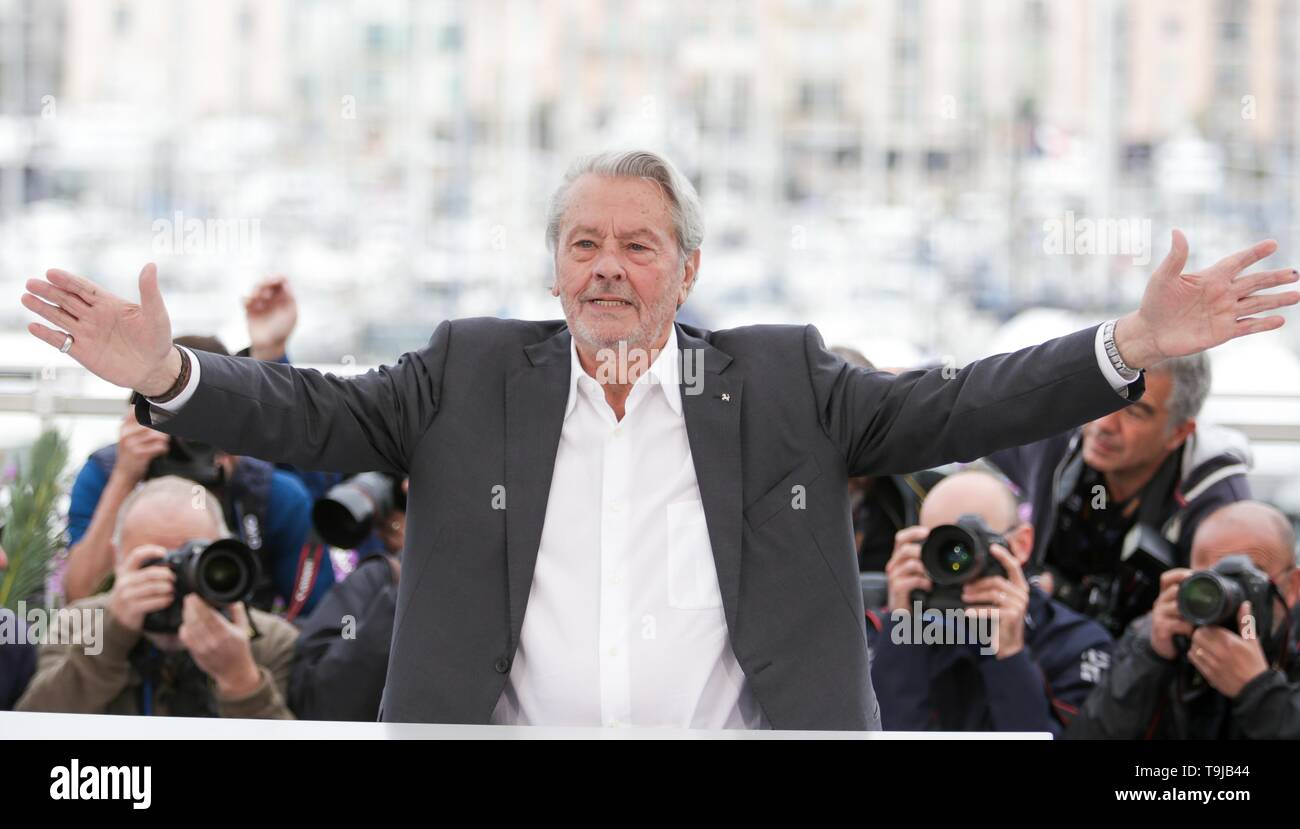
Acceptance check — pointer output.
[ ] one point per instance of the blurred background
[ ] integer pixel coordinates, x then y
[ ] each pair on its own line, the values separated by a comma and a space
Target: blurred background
925, 180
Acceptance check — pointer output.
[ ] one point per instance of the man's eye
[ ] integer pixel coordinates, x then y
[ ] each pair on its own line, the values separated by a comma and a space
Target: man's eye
586, 242
638, 247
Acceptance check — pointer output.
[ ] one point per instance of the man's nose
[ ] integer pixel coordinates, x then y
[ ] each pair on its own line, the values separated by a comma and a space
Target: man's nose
608, 266
1108, 424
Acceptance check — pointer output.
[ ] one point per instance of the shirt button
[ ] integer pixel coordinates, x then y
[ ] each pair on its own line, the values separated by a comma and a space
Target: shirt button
613, 651
616, 580
502, 665
616, 507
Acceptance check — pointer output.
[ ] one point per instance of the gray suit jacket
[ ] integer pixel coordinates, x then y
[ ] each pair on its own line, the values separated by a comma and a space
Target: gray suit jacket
481, 406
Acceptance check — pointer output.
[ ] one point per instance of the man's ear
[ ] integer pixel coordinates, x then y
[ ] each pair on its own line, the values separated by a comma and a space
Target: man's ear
1290, 587
692, 267
1020, 542
1180, 433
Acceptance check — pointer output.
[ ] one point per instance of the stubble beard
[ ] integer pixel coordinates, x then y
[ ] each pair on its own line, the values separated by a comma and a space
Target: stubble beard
642, 337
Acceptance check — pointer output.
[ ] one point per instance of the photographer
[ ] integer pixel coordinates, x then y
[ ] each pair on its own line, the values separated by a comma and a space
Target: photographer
1147, 464
1172, 679
342, 655
1045, 658
229, 663
269, 508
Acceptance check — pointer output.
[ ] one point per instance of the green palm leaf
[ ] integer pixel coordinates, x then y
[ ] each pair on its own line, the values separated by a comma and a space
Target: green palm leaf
31, 536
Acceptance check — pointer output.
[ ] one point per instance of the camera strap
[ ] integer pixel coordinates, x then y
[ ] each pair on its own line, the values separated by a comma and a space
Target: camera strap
304, 579
1284, 646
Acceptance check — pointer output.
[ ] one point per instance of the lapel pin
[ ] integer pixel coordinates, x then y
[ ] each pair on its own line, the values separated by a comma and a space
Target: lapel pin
726, 398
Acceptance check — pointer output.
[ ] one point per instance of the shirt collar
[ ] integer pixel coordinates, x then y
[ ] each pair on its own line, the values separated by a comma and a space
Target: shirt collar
664, 372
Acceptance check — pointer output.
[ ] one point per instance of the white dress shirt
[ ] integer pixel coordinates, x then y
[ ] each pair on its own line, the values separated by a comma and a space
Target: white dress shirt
624, 623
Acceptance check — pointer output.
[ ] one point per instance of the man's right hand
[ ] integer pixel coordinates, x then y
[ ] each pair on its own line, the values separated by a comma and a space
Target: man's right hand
127, 344
140, 589
905, 572
136, 446
1166, 621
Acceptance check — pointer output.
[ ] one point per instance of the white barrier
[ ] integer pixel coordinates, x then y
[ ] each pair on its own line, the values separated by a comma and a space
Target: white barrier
30, 726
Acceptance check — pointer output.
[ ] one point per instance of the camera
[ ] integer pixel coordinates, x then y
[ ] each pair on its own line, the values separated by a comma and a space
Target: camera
1215, 596
220, 572
189, 459
955, 554
1128, 588
348, 512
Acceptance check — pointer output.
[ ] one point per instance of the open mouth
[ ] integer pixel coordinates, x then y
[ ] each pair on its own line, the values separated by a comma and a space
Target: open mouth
610, 303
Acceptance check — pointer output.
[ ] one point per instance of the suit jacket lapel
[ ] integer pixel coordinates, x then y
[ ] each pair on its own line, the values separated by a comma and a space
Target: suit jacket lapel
535, 398
711, 407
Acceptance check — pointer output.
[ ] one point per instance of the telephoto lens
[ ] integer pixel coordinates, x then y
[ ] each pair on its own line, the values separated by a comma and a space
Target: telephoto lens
220, 572
348, 512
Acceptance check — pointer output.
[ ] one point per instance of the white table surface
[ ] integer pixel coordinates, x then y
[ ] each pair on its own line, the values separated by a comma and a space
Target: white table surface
29, 726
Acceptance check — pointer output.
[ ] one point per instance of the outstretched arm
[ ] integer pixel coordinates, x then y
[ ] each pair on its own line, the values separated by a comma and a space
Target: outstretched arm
887, 423
248, 407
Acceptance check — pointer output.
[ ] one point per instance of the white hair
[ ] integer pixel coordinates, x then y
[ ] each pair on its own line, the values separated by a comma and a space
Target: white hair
1191, 385
683, 201
175, 489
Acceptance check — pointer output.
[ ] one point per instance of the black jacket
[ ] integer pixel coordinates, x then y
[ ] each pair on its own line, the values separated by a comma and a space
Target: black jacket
17, 664
338, 677
1138, 699
955, 688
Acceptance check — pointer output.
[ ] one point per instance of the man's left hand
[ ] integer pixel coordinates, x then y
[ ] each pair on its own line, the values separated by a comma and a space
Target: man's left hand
220, 646
1008, 596
1186, 313
1228, 661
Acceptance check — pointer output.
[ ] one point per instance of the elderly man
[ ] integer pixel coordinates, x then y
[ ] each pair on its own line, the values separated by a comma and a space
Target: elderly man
668, 504
214, 665
1239, 684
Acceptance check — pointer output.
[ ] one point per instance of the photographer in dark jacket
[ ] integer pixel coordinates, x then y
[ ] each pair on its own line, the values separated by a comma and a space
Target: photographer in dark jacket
341, 658
1147, 464
1046, 657
1227, 685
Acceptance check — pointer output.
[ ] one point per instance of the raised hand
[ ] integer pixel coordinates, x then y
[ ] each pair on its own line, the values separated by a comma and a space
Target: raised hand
125, 343
1185, 313
272, 314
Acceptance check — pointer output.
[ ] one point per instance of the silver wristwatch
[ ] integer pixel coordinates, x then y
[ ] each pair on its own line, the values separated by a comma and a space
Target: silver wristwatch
1108, 342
